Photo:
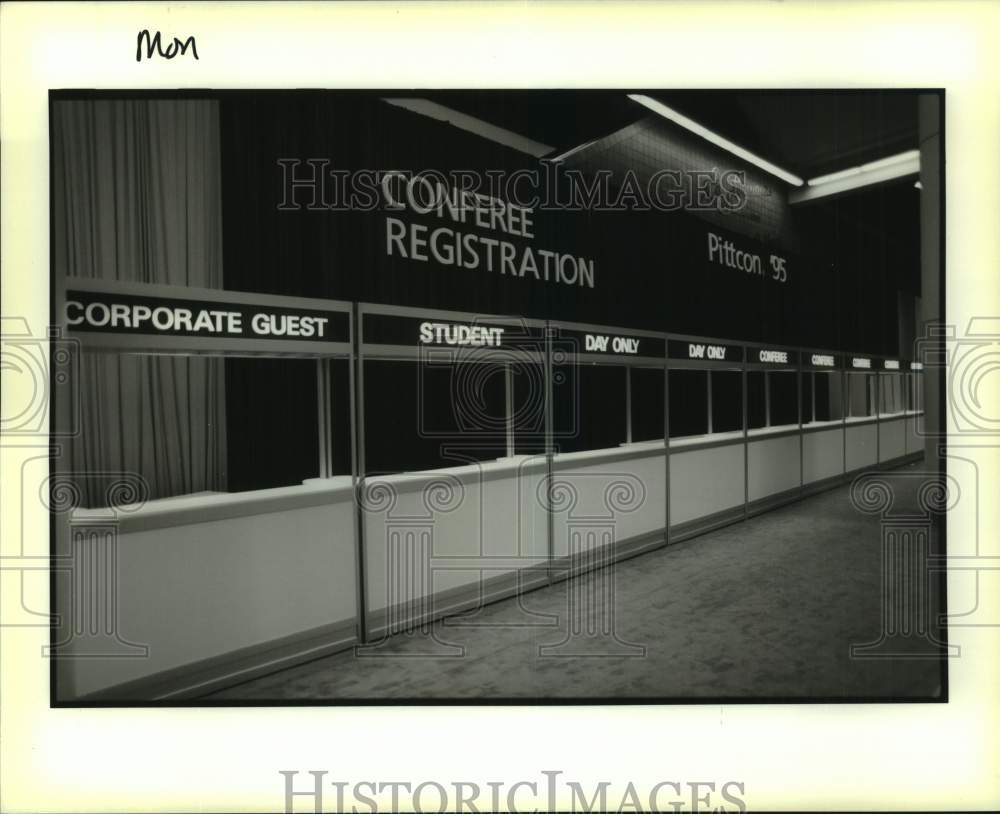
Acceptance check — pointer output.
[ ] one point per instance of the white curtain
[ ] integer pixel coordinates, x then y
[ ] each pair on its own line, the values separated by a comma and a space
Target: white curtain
136, 196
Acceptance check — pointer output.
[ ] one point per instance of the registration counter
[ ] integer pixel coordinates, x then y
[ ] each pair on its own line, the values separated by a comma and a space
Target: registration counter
708, 454
480, 458
608, 487
165, 594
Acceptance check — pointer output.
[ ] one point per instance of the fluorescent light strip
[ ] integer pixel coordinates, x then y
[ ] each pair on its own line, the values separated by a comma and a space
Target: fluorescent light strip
874, 172
909, 158
463, 121
715, 138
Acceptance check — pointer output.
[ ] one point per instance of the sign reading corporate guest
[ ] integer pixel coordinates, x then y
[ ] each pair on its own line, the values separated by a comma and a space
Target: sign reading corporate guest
616, 344
89, 311
698, 350
143, 317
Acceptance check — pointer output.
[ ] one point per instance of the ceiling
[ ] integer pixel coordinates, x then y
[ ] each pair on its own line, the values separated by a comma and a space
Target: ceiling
809, 133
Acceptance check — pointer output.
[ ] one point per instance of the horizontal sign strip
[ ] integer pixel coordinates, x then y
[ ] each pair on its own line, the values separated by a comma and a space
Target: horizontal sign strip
609, 343
821, 361
485, 333
701, 351
772, 356
109, 313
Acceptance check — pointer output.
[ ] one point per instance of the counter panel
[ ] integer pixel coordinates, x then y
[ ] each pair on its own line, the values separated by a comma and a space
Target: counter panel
435, 532
822, 454
195, 592
705, 481
773, 466
608, 502
891, 439
861, 446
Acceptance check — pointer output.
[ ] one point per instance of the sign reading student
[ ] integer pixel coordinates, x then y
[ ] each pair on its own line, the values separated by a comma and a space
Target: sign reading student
475, 333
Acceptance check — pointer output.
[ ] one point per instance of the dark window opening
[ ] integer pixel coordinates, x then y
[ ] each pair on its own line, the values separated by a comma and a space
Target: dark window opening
727, 400
272, 422
647, 404
784, 401
588, 407
756, 400
688, 403
422, 416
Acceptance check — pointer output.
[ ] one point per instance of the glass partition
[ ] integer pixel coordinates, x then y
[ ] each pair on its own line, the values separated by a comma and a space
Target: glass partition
860, 394
756, 399
807, 394
890, 388
828, 398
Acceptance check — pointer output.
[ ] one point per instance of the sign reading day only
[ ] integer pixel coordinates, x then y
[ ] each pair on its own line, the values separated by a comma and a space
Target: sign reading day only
698, 350
611, 343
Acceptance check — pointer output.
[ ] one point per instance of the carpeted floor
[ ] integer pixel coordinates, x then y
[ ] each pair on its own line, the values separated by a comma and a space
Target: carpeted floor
763, 609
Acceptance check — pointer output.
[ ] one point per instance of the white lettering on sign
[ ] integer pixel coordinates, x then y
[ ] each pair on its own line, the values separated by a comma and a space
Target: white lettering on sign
287, 325
773, 356
726, 253
622, 344
162, 318
619, 344
892, 364
697, 351
478, 336
857, 361
822, 360
916, 366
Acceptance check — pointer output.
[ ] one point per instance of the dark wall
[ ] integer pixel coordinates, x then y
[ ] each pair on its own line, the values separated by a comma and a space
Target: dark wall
651, 268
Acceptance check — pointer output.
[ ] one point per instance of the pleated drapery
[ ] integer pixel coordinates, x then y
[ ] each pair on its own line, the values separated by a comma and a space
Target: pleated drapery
136, 197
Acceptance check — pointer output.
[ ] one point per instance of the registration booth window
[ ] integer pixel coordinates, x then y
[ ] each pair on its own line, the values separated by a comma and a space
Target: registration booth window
607, 387
915, 380
706, 387
861, 388
890, 388
772, 387
442, 389
202, 392
822, 392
